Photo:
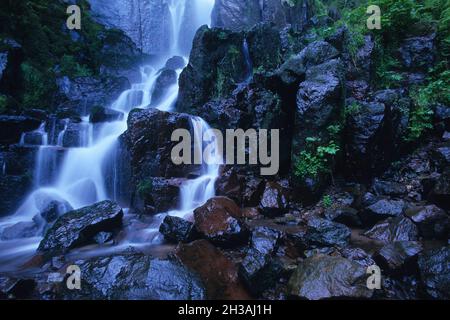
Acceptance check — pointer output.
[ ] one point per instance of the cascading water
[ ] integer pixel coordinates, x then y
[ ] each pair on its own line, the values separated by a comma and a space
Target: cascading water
78, 180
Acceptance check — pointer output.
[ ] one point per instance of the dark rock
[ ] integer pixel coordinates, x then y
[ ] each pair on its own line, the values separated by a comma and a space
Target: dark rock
79, 227
394, 229
101, 114
358, 255
440, 195
20, 230
344, 215
343, 279
217, 221
9, 197
11, 288
54, 210
398, 288
218, 273
388, 188
175, 63
432, 221
274, 200
166, 79
137, 277
418, 52
256, 266
12, 127
103, 237
176, 229
325, 233
382, 209
434, 266
399, 256
158, 195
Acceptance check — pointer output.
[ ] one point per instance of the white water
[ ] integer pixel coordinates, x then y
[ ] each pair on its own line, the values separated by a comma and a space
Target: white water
79, 178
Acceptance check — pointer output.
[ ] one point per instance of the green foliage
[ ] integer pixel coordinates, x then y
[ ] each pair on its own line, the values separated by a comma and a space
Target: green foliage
37, 86
144, 188
352, 109
316, 159
70, 67
3, 103
327, 201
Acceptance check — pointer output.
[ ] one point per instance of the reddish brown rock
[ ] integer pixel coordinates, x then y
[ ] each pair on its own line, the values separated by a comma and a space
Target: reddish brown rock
218, 273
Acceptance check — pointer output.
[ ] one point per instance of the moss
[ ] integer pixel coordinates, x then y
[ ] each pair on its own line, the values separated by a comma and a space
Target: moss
3, 103
145, 188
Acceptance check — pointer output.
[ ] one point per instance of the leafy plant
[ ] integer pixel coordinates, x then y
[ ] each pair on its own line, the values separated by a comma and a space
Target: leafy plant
144, 188
327, 201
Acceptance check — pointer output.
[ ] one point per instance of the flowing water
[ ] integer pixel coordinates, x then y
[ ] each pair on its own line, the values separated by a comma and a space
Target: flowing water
75, 176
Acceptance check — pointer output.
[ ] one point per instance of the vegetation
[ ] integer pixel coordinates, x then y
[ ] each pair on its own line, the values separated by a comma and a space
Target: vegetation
144, 188
327, 201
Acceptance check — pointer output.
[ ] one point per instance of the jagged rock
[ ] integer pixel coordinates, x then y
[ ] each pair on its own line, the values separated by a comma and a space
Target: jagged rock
358, 255
12, 127
54, 210
394, 229
136, 277
432, 221
274, 200
101, 114
218, 273
176, 229
418, 52
256, 269
325, 233
264, 45
434, 266
440, 195
344, 215
399, 256
79, 227
389, 188
382, 209
158, 195
217, 221
343, 279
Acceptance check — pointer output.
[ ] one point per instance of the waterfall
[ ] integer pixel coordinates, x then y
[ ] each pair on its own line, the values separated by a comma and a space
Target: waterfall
78, 179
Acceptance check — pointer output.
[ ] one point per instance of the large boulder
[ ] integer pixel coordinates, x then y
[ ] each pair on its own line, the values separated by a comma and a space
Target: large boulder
394, 229
274, 200
399, 256
136, 277
434, 266
217, 221
218, 273
432, 221
382, 209
79, 227
324, 277
325, 233
175, 229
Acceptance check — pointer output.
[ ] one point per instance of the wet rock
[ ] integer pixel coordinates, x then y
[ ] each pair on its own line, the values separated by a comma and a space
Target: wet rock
398, 288
101, 114
175, 63
399, 256
157, 195
388, 188
9, 197
11, 288
440, 194
434, 266
274, 200
217, 221
256, 268
325, 233
176, 229
344, 215
79, 227
343, 279
432, 221
12, 127
358, 255
218, 273
394, 229
166, 79
103, 237
418, 52
382, 209
137, 277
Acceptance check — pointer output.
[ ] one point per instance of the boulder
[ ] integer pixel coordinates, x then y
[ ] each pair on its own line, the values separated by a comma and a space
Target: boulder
136, 277
155, 195
166, 79
358, 255
440, 195
343, 279
217, 221
54, 210
256, 268
175, 63
101, 114
20, 230
325, 233
12, 128
432, 221
344, 215
399, 256
434, 266
388, 188
418, 53
394, 229
274, 200
175, 229
79, 227
217, 272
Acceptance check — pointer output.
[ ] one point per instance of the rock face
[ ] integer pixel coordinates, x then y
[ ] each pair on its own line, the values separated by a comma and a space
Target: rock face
79, 227
12, 127
219, 273
165, 80
343, 279
434, 266
240, 15
217, 221
137, 277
